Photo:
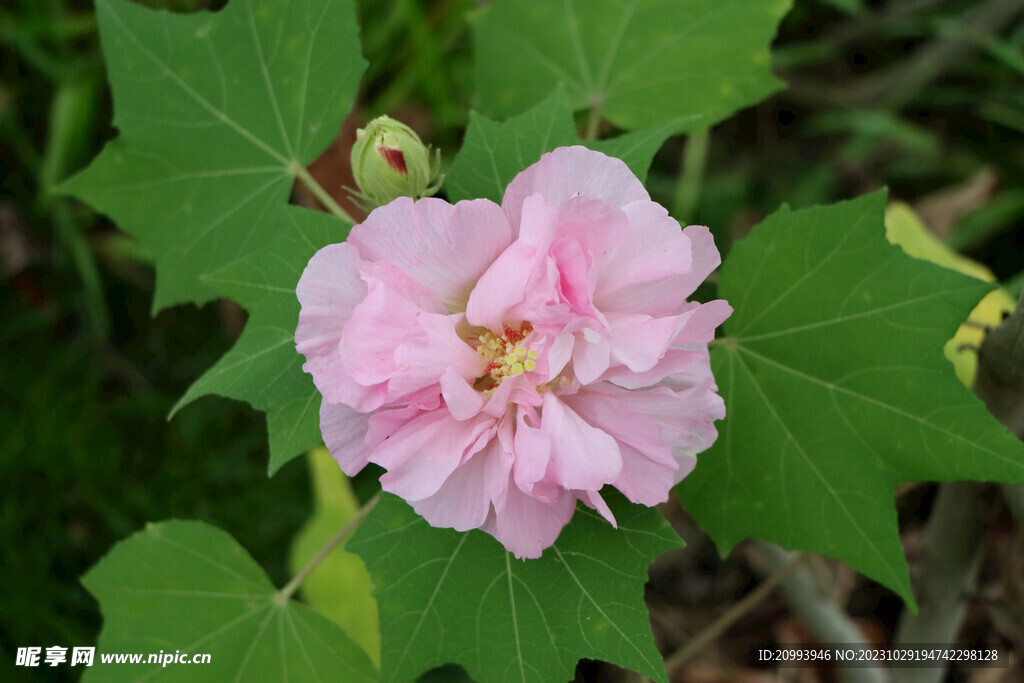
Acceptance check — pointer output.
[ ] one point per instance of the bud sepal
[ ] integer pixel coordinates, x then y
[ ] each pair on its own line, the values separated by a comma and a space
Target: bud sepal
389, 161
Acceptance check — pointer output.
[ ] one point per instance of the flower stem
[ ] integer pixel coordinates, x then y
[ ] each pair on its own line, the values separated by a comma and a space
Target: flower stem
320, 193
285, 593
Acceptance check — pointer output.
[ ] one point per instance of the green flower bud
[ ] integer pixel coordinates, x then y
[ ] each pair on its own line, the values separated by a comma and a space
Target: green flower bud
389, 161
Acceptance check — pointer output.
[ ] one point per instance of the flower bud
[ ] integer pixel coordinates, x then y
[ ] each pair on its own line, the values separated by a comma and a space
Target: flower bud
389, 161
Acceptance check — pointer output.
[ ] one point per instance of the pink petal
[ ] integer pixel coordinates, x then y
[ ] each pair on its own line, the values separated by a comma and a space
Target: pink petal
444, 248
526, 525
698, 324
537, 222
705, 257
687, 354
532, 449
685, 419
647, 269
696, 432
462, 400
575, 281
648, 465
380, 323
648, 481
570, 171
542, 303
344, 431
386, 421
590, 356
329, 290
639, 341
423, 453
516, 390
582, 456
429, 348
687, 362
465, 498
594, 501
501, 287
559, 353
507, 281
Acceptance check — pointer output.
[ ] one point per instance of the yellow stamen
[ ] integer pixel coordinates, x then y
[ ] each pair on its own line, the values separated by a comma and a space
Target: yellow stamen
505, 355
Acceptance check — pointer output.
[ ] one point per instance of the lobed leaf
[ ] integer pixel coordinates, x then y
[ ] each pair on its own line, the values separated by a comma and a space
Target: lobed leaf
217, 114
450, 597
494, 152
263, 367
837, 390
188, 587
637, 63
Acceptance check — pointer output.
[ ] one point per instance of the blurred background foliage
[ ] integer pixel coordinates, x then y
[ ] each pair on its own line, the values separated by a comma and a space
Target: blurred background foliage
923, 96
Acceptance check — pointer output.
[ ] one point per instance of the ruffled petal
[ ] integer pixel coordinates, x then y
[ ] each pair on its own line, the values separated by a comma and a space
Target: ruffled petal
685, 419
582, 456
533, 453
511, 278
380, 323
526, 525
329, 291
647, 269
697, 325
590, 356
428, 349
462, 400
385, 422
422, 453
689, 364
704, 257
444, 248
594, 501
635, 344
640, 341
571, 171
513, 390
575, 278
344, 431
648, 465
559, 353
464, 500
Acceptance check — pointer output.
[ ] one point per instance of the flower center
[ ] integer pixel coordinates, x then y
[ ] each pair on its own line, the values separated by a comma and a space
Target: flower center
505, 354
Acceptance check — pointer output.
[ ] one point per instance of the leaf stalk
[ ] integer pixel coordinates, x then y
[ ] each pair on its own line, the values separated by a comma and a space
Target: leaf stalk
286, 593
321, 194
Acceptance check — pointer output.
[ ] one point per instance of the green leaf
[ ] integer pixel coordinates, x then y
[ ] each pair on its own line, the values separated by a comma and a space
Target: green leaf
217, 113
449, 597
263, 367
493, 153
339, 588
837, 390
187, 586
635, 62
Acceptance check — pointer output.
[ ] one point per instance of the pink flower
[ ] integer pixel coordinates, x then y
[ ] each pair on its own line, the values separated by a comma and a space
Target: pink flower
503, 362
